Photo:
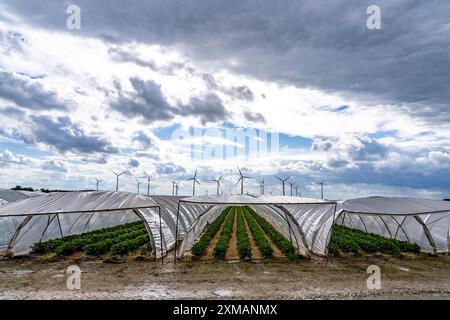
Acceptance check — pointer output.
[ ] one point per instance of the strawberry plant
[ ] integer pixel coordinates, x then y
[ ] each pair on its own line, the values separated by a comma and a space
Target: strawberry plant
198, 249
351, 240
222, 245
258, 235
243, 243
280, 241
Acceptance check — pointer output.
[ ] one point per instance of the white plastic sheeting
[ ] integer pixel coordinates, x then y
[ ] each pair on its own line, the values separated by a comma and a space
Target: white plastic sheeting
9, 225
60, 214
421, 221
8, 196
305, 222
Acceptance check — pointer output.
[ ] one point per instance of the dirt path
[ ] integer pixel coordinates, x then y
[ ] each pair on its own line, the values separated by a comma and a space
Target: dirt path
209, 255
345, 278
232, 252
277, 254
256, 253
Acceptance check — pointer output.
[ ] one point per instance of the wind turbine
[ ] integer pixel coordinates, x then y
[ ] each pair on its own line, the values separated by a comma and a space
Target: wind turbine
218, 184
174, 188
97, 182
261, 184
291, 184
138, 183
297, 193
283, 181
241, 179
194, 181
148, 183
322, 183
117, 178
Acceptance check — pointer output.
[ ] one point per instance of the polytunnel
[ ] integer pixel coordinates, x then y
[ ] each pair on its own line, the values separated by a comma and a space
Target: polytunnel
8, 196
61, 214
305, 222
421, 221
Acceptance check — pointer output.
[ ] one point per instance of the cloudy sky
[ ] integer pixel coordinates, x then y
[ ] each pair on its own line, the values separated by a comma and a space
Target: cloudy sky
366, 110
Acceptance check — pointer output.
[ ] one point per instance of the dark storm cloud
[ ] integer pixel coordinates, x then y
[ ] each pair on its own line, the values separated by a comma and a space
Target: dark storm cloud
169, 168
54, 165
27, 93
64, 136
146, 101
133, 163
321, 44
209, 108
120, 55
144, 140
242, 93
12, 112
149, 103
254, 117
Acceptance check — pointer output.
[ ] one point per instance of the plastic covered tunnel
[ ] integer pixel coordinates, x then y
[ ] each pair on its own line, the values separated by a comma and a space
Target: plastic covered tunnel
27, 220
305, 222
51, 216
421, 221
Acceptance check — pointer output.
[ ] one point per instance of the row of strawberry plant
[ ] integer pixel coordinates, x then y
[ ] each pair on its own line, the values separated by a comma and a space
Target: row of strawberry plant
105, 245
243, 244
258, 235
97, 244
280, 241
53, 245
351, 240
199, 248
222, 245
125, 247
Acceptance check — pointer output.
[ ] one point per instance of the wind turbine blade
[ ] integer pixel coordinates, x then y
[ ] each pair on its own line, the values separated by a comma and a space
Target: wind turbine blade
240, 173
238, 181
279, 178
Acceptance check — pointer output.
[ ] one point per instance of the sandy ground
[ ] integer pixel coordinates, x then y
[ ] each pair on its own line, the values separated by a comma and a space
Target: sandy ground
345, 278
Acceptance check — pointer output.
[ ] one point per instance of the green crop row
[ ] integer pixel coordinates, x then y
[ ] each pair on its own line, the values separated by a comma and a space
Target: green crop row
258, 235
97, 244
222, 245
68, 244
105, 245
351, 240
126, 246
243, 244
280, 241
198, 249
